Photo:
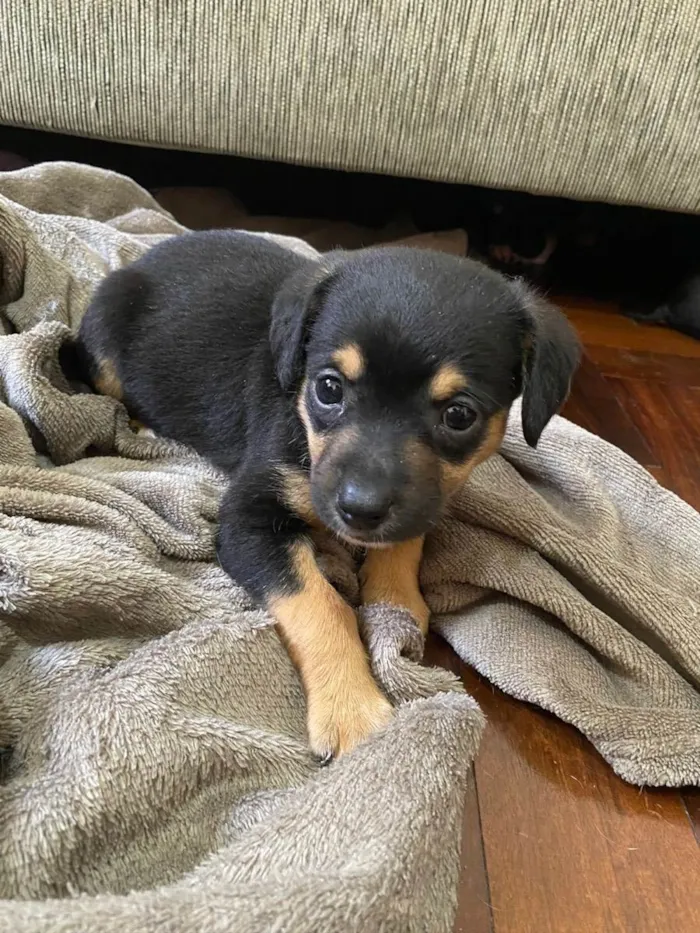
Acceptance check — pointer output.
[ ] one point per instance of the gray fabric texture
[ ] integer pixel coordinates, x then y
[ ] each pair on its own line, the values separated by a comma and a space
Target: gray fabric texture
597, 99
159, 777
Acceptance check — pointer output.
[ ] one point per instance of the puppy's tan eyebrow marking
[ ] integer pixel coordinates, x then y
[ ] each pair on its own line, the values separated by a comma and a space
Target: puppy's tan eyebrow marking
446, 382
350, 361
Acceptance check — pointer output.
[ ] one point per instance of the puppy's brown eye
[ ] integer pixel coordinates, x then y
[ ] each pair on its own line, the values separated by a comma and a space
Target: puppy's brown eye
329, 390
458, 417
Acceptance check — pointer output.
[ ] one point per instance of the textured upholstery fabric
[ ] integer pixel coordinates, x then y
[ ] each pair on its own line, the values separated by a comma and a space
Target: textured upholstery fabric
592, 99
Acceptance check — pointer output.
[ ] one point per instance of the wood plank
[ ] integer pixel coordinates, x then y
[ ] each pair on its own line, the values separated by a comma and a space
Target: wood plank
571, 848
669, 419
474, 913
602, 329
661, 477
576, 303
594, 405
635, 364
691, 798
684, 402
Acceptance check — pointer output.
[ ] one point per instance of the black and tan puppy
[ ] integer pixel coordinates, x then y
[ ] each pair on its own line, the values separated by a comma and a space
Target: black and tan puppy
355, 391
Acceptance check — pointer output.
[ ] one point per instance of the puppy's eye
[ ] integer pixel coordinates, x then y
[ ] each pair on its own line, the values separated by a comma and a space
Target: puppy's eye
329, 389
458, 417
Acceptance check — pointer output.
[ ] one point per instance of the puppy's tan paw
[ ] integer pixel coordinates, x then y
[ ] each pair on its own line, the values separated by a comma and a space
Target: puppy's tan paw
340, 719
390, 576
412, 602
420, 613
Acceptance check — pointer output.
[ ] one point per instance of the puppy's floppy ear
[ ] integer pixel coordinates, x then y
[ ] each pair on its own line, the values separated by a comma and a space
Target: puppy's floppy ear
551, 354
294, 310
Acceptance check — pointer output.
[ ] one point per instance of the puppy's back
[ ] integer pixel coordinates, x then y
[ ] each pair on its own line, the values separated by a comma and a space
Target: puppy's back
178, 334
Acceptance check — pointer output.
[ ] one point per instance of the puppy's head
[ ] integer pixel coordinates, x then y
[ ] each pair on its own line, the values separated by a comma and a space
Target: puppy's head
403, 364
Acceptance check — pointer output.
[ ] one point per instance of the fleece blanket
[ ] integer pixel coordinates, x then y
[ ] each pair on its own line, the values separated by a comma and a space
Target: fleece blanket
154, 772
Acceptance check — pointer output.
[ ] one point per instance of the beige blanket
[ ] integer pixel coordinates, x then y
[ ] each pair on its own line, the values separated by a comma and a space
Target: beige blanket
155, 773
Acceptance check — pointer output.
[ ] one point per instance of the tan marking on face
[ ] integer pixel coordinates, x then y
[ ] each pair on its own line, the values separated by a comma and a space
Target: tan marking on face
335, 444
296, 494
350, 361
446, 382
391, 576
107, 381
341, 440
493, 439
422, 461
454, 475
319, 628
315, 441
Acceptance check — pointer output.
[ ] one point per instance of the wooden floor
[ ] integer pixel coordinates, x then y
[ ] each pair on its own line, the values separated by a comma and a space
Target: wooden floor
553, 842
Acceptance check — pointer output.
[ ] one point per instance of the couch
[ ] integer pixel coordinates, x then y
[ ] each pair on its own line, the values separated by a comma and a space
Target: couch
593, 99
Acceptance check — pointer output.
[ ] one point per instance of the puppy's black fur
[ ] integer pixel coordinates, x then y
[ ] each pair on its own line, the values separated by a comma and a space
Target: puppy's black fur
353, 390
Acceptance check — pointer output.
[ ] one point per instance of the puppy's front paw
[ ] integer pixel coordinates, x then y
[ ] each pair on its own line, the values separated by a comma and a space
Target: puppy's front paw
412, 603
340, 718
420, 613
390, 576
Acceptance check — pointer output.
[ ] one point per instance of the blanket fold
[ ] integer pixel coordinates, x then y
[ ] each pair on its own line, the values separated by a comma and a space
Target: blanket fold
155, 769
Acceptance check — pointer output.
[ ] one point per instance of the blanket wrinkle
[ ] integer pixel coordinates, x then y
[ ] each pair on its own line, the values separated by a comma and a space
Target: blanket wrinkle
155, 769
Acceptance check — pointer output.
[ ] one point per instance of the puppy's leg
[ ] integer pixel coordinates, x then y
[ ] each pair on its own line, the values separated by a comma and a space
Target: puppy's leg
390, 575
320, 631
264, 548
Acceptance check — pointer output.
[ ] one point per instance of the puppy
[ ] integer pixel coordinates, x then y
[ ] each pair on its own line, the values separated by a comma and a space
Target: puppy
353, 391
681, 310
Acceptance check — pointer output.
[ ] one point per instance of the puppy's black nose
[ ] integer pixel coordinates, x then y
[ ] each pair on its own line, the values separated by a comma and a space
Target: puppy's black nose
363, 507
